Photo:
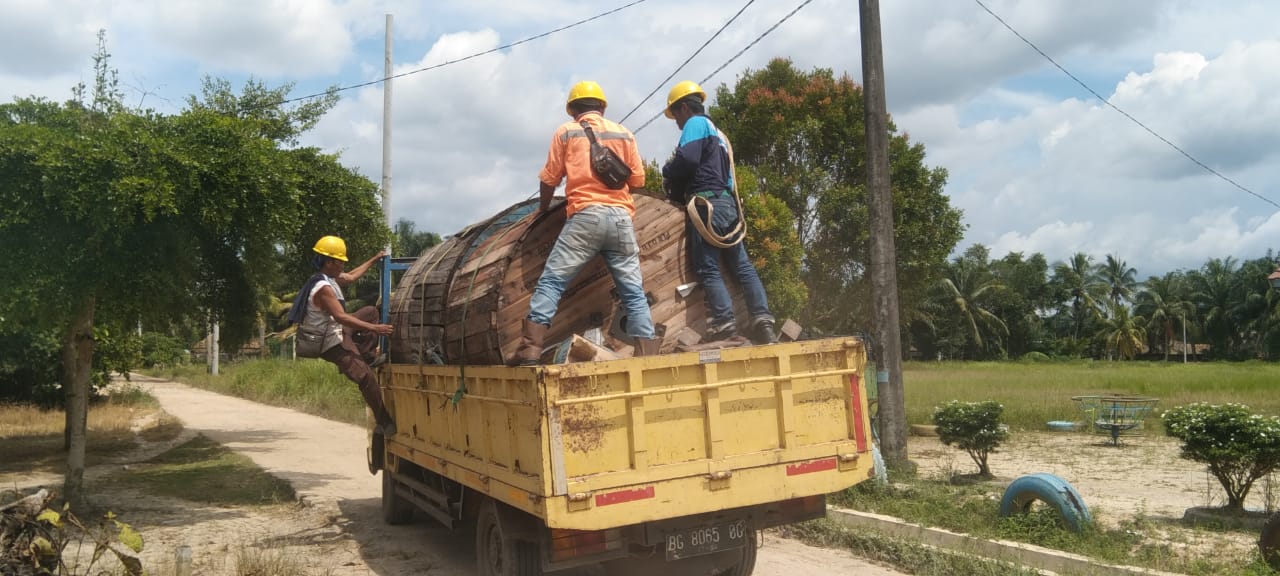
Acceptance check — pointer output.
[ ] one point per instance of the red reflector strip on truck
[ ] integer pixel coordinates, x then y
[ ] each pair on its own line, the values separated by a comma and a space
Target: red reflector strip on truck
623, 496
855, 394
811, 466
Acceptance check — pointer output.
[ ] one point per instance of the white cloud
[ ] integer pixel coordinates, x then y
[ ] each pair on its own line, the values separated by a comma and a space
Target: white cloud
1035, 162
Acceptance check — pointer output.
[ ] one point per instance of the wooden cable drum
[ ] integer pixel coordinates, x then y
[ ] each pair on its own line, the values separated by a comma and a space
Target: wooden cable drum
463, 301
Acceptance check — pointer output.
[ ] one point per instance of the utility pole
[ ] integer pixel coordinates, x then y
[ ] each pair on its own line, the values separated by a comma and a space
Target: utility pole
386, 130
887, 347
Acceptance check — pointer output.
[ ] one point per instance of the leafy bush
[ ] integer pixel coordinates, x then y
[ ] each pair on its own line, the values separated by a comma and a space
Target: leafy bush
159, 350
973, 427
1238, 447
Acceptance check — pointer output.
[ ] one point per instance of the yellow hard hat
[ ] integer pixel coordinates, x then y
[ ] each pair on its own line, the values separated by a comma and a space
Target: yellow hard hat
584, 89
686, 88
331, 246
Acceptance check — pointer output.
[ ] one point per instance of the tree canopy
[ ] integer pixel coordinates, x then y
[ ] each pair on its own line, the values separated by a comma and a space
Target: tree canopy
116, 216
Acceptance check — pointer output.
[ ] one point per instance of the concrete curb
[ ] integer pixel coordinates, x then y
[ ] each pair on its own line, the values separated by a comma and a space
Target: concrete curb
1017, 553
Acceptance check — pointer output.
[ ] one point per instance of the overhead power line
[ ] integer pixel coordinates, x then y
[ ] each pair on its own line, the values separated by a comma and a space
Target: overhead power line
465, 58
735, 56
1122, 112
686, 61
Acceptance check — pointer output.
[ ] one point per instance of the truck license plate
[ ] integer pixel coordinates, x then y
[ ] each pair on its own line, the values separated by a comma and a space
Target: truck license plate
706, 539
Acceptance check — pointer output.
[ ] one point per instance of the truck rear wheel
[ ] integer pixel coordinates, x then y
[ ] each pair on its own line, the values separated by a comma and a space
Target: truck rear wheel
497, 554
395, 509
748, 563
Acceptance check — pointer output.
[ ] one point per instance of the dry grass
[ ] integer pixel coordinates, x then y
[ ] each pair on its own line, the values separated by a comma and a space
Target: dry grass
31, 439
273, 561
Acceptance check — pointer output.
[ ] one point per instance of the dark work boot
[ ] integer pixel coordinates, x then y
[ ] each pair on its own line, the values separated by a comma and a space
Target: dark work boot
647, 347
762, 332
530, 350
722, 332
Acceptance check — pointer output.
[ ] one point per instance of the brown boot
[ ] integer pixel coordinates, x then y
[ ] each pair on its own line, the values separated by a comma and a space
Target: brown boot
647, 347
530, 350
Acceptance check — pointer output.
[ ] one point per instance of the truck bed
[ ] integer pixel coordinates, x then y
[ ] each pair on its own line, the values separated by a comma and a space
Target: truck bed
596, 445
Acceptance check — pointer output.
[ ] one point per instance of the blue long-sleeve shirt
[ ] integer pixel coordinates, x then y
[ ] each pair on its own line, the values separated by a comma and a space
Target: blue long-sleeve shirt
701, 160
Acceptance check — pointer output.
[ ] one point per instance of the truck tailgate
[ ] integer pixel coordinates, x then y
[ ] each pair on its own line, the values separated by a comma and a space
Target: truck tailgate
657, 437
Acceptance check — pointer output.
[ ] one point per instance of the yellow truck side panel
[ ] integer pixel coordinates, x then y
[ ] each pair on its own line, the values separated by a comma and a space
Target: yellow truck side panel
603, 444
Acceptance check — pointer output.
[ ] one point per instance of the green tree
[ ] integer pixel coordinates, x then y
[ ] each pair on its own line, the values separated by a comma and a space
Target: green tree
1215, 293
1163, 302
803, 135
1122, 332
1020, 304
116, 216
409, 241
1074, 281
1119, 278
967, 290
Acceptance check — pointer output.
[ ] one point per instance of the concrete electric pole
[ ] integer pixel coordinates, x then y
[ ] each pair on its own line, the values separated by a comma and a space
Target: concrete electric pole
887, 347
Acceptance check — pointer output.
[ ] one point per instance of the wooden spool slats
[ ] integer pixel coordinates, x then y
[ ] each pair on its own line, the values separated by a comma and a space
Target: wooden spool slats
464, 300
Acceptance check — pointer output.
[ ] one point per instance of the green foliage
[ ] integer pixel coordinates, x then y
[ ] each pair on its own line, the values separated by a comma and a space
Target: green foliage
159, 350
1238, 447
409, 241
773, 246
803, 135
29, 364
973, 427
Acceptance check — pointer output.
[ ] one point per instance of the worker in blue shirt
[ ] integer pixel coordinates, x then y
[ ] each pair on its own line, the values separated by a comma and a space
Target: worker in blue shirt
700, 174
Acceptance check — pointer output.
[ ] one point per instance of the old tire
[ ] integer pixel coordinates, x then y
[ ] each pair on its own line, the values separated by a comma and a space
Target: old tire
497, 554
748, 563
1269, 541
1051, 490
395, 509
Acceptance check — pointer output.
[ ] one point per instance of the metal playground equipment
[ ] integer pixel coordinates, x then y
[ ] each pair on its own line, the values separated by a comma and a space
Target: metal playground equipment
1115, 414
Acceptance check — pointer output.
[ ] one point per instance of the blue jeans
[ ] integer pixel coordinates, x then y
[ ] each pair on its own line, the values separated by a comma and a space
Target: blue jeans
603, 230
706, 263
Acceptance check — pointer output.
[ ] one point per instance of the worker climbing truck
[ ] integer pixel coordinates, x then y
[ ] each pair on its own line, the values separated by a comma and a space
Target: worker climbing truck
674, 462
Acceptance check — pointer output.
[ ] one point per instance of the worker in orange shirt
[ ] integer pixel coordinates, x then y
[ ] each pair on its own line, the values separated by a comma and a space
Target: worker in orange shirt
598, 221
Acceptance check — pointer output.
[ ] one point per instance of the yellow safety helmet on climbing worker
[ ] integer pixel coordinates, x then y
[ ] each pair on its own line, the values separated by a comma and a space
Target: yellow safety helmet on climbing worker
679, 91
331, 246
582, 90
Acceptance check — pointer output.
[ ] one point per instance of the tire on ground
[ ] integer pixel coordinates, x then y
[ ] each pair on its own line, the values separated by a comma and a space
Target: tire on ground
748, 563
1269, 541
1053, 491
395, 509
497, 554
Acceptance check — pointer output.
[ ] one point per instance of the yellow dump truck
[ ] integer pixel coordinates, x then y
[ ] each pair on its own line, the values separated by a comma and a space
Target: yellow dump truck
667, 464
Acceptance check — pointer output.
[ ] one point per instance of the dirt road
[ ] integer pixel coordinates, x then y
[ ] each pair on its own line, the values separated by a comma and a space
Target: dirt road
340, 528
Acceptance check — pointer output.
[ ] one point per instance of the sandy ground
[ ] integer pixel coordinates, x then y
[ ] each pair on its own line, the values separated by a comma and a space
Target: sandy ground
1143, 475
337, 528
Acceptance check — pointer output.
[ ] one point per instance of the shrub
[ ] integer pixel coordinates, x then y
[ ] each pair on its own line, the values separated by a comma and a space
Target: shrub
973, 427
1238, 447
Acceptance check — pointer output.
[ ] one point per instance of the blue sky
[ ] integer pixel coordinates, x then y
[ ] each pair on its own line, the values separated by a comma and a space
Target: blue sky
1036, 162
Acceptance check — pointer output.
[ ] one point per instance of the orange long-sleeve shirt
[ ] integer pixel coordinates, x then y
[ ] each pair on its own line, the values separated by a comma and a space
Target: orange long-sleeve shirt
569, 157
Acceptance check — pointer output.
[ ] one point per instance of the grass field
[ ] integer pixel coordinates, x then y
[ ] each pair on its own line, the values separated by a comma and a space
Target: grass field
1035, 393
311, 386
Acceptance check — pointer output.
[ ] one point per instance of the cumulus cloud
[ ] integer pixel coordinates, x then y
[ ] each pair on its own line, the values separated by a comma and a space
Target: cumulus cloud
1035, 162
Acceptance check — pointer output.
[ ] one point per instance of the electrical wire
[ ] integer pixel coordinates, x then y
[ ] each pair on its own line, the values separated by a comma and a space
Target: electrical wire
735, 56
1122, 112
686, 61
464, 58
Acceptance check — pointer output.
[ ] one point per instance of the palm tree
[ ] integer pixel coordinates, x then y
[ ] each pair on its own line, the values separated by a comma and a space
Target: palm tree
1214, 293
1118, 277
412, 242
1076, 278
1123, 332
965, 288
1163, 301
